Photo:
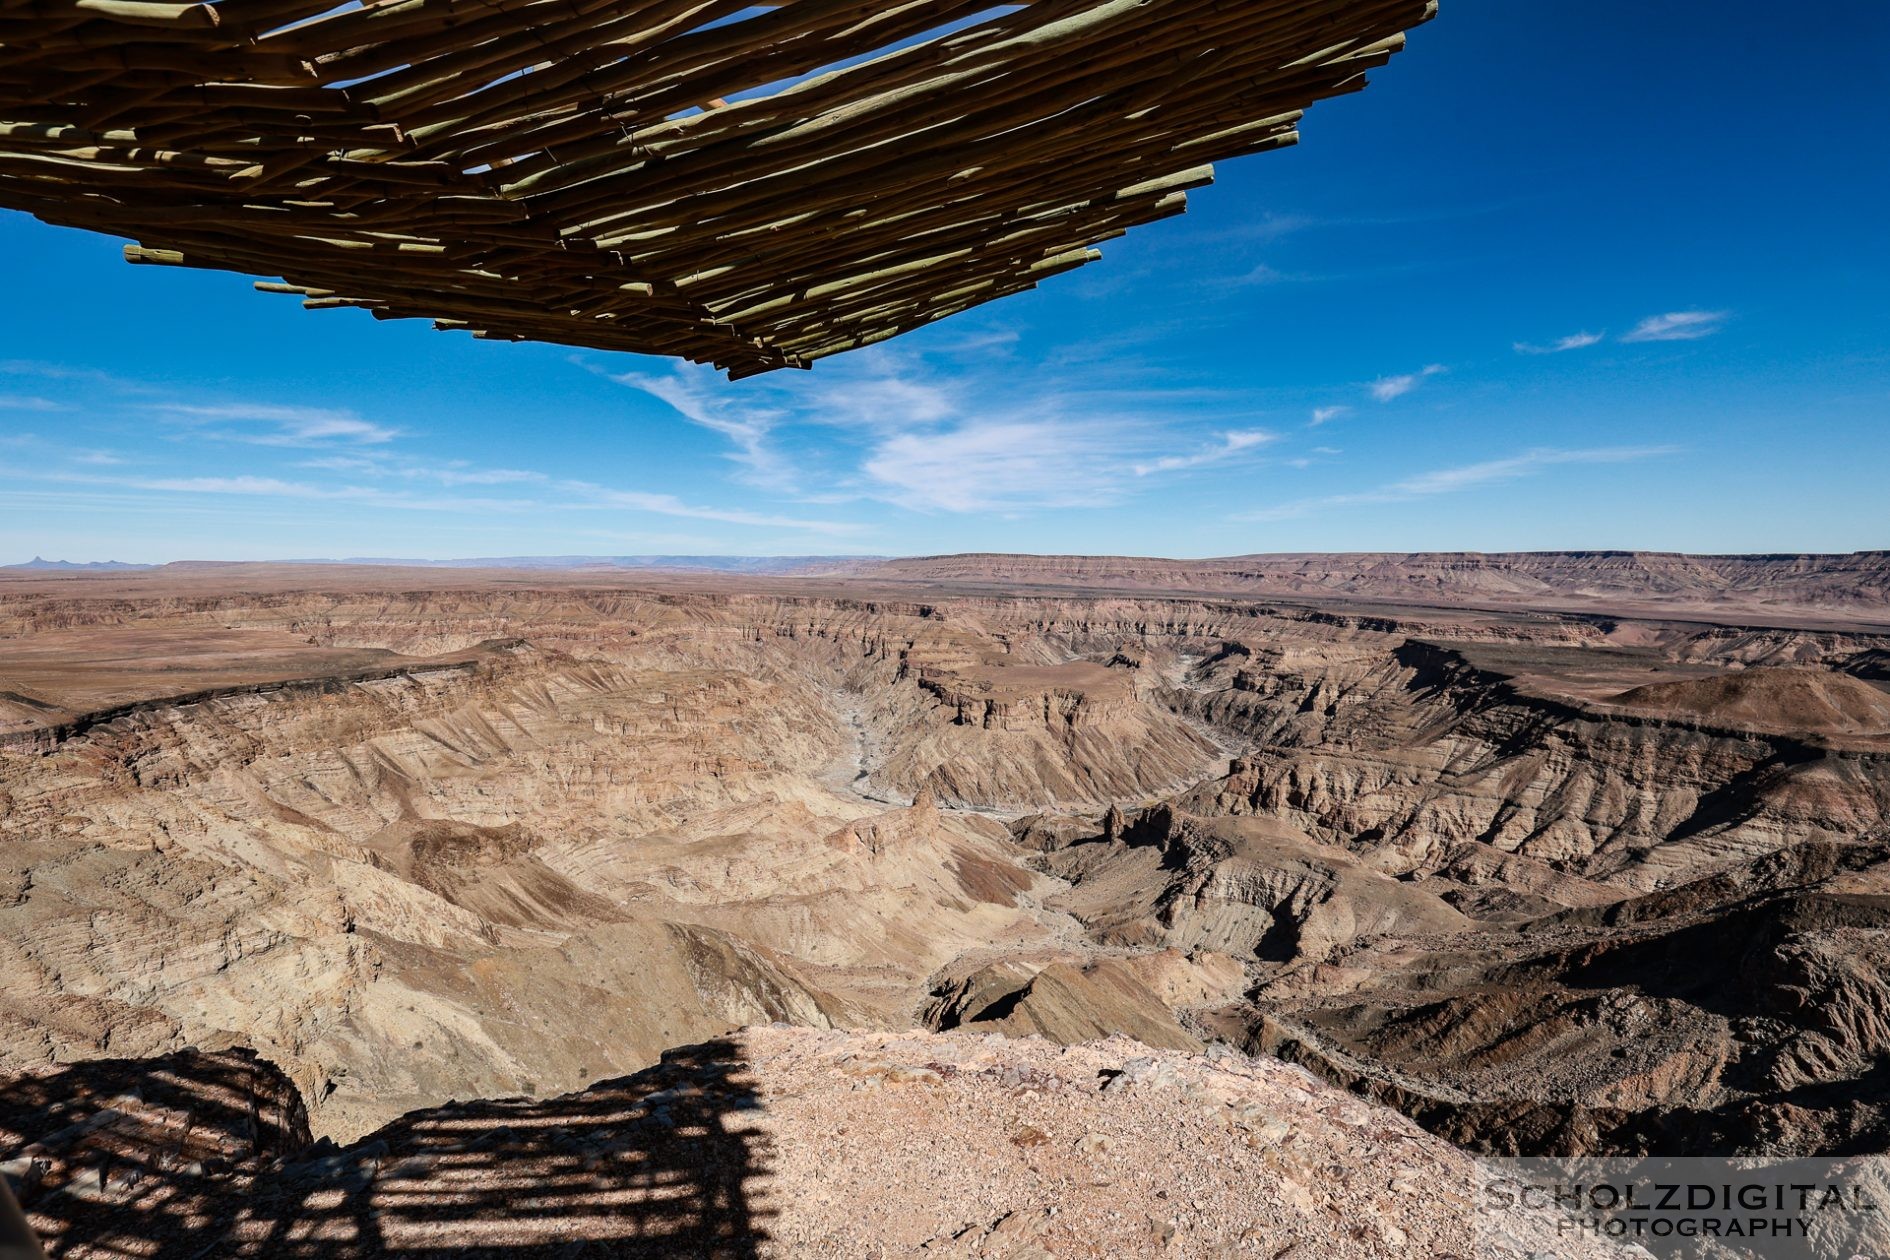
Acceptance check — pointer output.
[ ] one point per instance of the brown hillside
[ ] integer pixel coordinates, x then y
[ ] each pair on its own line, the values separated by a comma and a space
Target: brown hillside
1810, 700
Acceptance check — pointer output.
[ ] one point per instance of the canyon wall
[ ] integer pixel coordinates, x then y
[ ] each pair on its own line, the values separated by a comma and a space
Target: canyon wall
510, 838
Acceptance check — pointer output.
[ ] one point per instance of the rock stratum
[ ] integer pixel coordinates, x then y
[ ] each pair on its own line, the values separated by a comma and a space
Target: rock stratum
1857, 583
339, 847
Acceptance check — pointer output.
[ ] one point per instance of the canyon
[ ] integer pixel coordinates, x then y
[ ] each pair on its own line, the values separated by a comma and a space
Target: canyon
1578, 854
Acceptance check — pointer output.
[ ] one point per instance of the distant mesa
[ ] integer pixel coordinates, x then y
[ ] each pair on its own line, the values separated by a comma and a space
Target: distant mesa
698, 564
1851, 588
88, 566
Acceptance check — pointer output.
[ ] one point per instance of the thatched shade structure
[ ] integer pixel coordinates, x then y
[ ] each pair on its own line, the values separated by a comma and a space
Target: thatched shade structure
745, 185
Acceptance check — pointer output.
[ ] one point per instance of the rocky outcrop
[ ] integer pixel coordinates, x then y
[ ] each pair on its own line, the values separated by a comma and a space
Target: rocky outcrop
1244, 887
1065, 1003
1746, 1012
765, 1143
1012, 734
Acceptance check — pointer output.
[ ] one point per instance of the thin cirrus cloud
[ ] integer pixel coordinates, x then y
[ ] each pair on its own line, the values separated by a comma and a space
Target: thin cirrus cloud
270, 424
1562, 345
670, 505
877, 392
46, 448
250, 484
348, 461
947, 431
570, 496
30, 402
1678, 326
1671, 326
1232, 445
1002, 465
1326, 415
453, 473
457, 475
1461, 478
1386, 388
692, 393
67, 374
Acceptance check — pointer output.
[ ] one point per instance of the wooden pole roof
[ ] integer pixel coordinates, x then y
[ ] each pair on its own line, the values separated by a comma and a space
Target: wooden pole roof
754, 186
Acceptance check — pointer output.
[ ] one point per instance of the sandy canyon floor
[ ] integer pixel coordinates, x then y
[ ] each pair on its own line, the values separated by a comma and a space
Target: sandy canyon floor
300, 854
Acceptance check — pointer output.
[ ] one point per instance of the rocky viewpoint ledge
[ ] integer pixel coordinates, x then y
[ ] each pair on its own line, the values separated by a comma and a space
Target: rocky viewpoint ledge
770, 1142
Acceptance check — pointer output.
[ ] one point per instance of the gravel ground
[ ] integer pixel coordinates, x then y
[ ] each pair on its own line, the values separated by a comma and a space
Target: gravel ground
772, 1142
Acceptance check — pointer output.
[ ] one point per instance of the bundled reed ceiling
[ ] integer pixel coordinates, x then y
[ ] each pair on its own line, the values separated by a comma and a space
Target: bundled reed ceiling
751, 186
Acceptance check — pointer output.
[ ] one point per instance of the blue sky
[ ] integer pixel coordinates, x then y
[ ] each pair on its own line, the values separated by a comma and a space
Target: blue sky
1566, 275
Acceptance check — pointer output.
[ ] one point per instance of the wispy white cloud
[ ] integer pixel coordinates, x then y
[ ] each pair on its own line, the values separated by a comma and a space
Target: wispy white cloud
990, 341
361, 464
874, 390
1232, 445
277, 425
461, 475
947, 433
1274, 226
30, 402
698, 396
951, 428
1562, 345
1326, 415
999, 466
1678, 326
243, 484
569, 496
69, 387
1317, 455
57, 372
1262, 275
1450, 480
1386, 388
459, 472
347, 460
1463, 477
882, 400
1277, 225
670, 505
49, 449
248, 484
1266, 273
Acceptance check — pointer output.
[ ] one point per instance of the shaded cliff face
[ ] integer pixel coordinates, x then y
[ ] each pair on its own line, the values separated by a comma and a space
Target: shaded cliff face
1745, 1011
511, 839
